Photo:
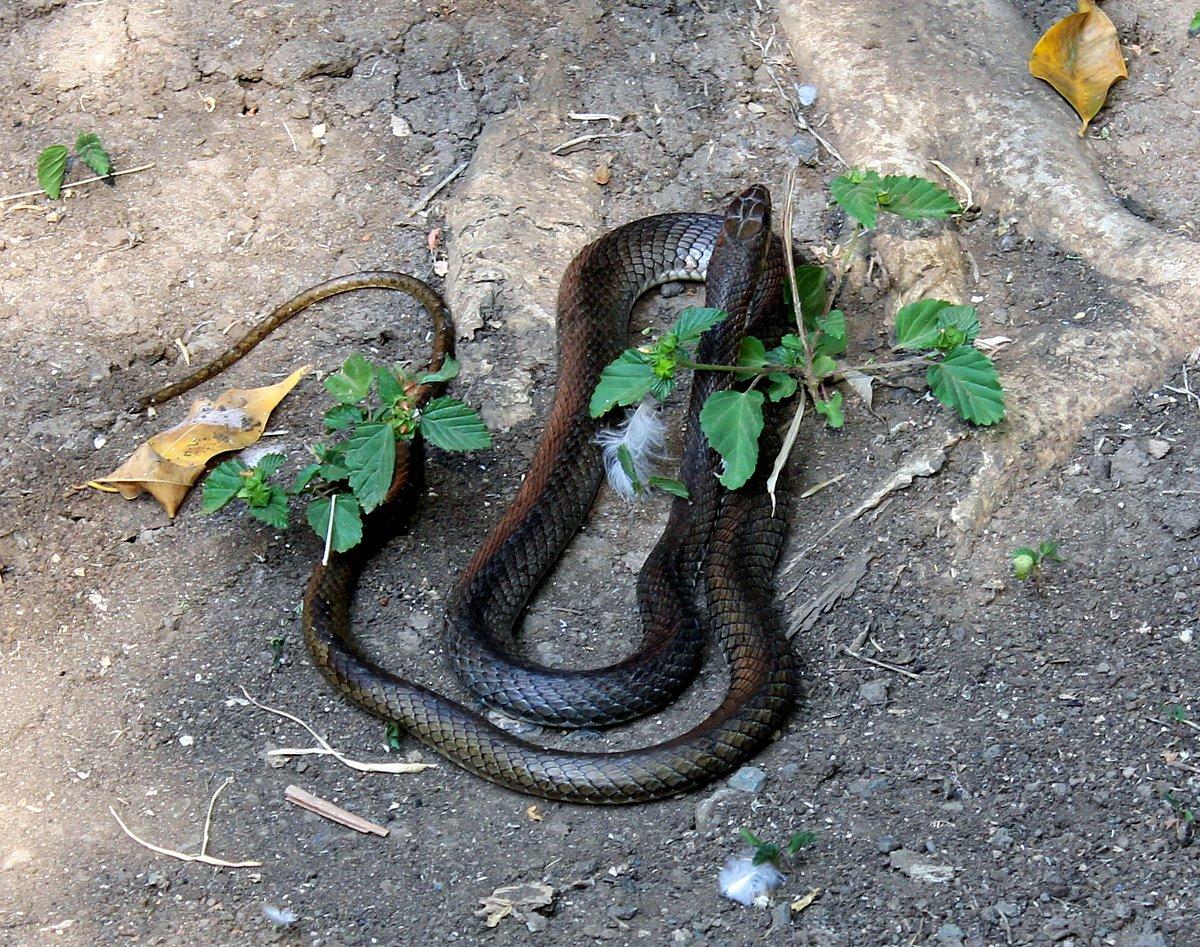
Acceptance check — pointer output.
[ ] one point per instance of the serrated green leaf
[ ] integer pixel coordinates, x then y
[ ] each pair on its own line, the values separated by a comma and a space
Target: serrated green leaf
222, 485
305, 477
767, 852
669, 485
451, 425
917, 324
857, 193
800, 840
624, 382
448, 371
780, 386
694, 321
371, 458
88, 147
347, 520
1049, 550
823, 366
915, 198
832, 410
963, 318
51, 169
342, 417
1023, 566
752, 353
750, 838
274, 512
830, 334
1194, 27
351, 384
810, 287
966, 381
732, 422
268, 464
388, 384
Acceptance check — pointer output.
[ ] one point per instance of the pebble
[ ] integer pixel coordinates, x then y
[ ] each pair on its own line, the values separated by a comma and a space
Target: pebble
887, 844
748, 779
704, 816
874, 692
806, 94
950, 935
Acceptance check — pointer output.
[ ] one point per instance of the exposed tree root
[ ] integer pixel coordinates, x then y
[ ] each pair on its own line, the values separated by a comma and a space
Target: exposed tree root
946, 80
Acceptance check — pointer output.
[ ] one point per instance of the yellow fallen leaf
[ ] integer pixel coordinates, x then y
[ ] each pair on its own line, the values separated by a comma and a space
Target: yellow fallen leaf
1080, 56
170, 463
534, 814
802, 902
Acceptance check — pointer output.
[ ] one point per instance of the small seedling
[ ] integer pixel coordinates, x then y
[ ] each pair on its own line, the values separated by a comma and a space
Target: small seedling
350, 477
52, 162
768, 852
1194, 28
392, 736
277, 645
1028, 562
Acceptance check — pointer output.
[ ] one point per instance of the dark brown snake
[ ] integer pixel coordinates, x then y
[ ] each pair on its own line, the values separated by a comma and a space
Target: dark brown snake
712, 567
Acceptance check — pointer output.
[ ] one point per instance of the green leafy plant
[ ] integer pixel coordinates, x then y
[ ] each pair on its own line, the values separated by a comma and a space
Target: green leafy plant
374, 411
1194, 26
1028, 562
772, 853
53, 161
937, 336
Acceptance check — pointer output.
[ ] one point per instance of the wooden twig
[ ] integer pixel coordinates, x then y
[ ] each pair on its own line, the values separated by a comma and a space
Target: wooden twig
441, 186
961, 183
74, 184
201, 856
325, 747
812, 491
581, 139
326, 809
850, 652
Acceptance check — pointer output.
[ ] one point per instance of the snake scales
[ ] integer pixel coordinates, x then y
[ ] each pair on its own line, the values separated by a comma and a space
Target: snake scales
711, 569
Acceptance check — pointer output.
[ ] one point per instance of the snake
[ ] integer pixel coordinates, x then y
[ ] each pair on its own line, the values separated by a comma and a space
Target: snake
710, 571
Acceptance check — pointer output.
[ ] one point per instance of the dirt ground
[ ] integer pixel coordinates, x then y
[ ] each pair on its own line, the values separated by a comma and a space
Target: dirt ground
1022, 779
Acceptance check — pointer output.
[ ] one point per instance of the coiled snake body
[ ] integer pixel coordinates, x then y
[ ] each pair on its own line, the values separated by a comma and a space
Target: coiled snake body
711, 568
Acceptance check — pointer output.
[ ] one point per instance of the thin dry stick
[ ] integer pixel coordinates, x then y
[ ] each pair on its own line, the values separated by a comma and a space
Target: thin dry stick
880, 664
74, 184
813, 491
202, 855
329, 530
961, 183
325, 747
581, 139
334, 813
442, 185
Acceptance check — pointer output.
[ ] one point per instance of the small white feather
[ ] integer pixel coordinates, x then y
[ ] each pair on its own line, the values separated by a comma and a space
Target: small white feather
642, 434
744, 882
281, 916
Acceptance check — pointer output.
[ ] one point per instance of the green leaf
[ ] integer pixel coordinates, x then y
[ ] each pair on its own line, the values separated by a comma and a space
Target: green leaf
448, 371
347, 520
51, 169
343, 416
1049, 550
268, 464
353, 382
694, 321
392, 734
916, 198
781, 385
305, 477
624, 382
274, 512
800, 840
810, 288
1194, 28
823, 366
388, 384
752, 353
1023, 565
732, 421
832, 410
917, 324
768, 852
963, 318
831, 334
857, 193
669, 485
625, 458
451, 425
88, 147
372, 461
966, 381
750, 838
222, 485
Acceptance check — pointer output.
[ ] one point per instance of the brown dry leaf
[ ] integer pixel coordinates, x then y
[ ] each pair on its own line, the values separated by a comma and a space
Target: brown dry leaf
1080, 56
534, 814
603, 175
802, 902
168, 464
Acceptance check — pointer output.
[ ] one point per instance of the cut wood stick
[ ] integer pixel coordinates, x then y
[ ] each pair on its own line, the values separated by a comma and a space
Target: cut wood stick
334, 813
73, 184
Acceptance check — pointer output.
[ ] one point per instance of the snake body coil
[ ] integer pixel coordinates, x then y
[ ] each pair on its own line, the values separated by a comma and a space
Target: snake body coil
719, 549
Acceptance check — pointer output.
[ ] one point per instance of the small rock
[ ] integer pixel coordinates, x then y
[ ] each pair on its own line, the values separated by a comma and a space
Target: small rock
1129, 463
949, 935
1158, 449
668, 290
918, 868
704, 816
887, 844
806, 94
1182, 519
804, 147
874, 692
748, 779
16, 858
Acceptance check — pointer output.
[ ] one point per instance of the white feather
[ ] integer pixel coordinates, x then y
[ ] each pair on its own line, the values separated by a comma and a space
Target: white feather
744, 882
642, 434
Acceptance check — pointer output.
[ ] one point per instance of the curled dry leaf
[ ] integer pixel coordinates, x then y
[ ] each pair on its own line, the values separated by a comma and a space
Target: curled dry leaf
1080, 56
515, 900
168, 464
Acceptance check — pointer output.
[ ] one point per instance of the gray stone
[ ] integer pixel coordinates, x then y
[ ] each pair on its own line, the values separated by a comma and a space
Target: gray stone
1129, 464
949, 935
748, 779
304, 57
874, 692
887, 844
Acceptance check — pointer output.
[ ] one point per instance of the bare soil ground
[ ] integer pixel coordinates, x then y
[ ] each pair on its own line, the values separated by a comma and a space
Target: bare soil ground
1014, 786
